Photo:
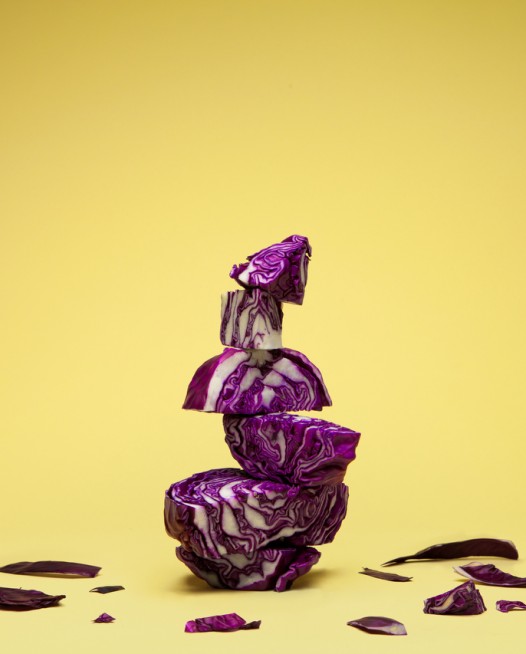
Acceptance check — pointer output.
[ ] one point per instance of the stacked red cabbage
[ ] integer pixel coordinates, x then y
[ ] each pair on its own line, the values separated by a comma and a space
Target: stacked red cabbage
254, 528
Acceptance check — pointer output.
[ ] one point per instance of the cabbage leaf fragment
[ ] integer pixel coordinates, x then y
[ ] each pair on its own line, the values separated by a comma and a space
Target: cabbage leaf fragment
487, 573
380, 574
505, 606
462, 548
225, 622
103, 590
18, 599
63, 568
374, 624
461, 600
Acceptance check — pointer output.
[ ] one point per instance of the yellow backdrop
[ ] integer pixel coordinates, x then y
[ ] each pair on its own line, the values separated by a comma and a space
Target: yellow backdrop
148, 145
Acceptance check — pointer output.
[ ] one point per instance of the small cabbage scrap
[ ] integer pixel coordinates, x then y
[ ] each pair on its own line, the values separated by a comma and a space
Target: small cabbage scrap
104, 617
226, 622
257, 381
225, 511
270, 568
462, 600
279, 269
250, 319
103, 590
65, 568
291, 449
487, 573
18, 599
376, 624
462, 548
505, 606
380, 574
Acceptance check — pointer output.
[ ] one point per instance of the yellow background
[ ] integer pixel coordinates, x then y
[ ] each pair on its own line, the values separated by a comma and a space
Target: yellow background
146, 146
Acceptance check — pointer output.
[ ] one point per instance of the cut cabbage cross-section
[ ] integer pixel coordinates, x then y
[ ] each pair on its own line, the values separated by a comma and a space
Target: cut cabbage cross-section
257, 381
250, 319
280, 269
270, 568
291, 449
225, 511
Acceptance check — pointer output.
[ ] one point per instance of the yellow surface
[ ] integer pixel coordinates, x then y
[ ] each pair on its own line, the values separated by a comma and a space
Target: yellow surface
146, 146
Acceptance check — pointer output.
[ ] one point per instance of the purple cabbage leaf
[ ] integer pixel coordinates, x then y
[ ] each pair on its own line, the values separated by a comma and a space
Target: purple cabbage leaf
226, 622
62, 568
505, 606
18, 599
291, 449
380, 574
225, 511
104, 618
257, 381
487, 573
269, 568
462, 548
250, 319
461, 600
373, 624
104, 590
280, 269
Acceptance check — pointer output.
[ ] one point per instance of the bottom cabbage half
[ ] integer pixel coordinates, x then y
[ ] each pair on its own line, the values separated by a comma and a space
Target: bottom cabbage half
266, 569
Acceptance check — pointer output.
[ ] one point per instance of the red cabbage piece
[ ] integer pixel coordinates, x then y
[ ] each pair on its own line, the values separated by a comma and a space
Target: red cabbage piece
505, 606
257, 381
279, 269
461, 548
386, 576
270, 568
65, 568
487, 573
104, 617
18, 599
291, 449
226, 622
250, 319
375, 624
104, 590
225, 511
462, 600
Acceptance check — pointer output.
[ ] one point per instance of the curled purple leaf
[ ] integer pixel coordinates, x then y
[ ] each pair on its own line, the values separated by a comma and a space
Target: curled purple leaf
461, 600
257, 381
18, 599
65, 568
505, 606
104, 617
225, 622
387, 576
462, 548
291, 449
103, 590
270, 568
487, 573
375, 624
225, 511
279, 269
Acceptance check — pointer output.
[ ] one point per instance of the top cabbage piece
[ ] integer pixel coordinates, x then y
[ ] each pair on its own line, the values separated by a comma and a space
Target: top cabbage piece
257, 381
279, 269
